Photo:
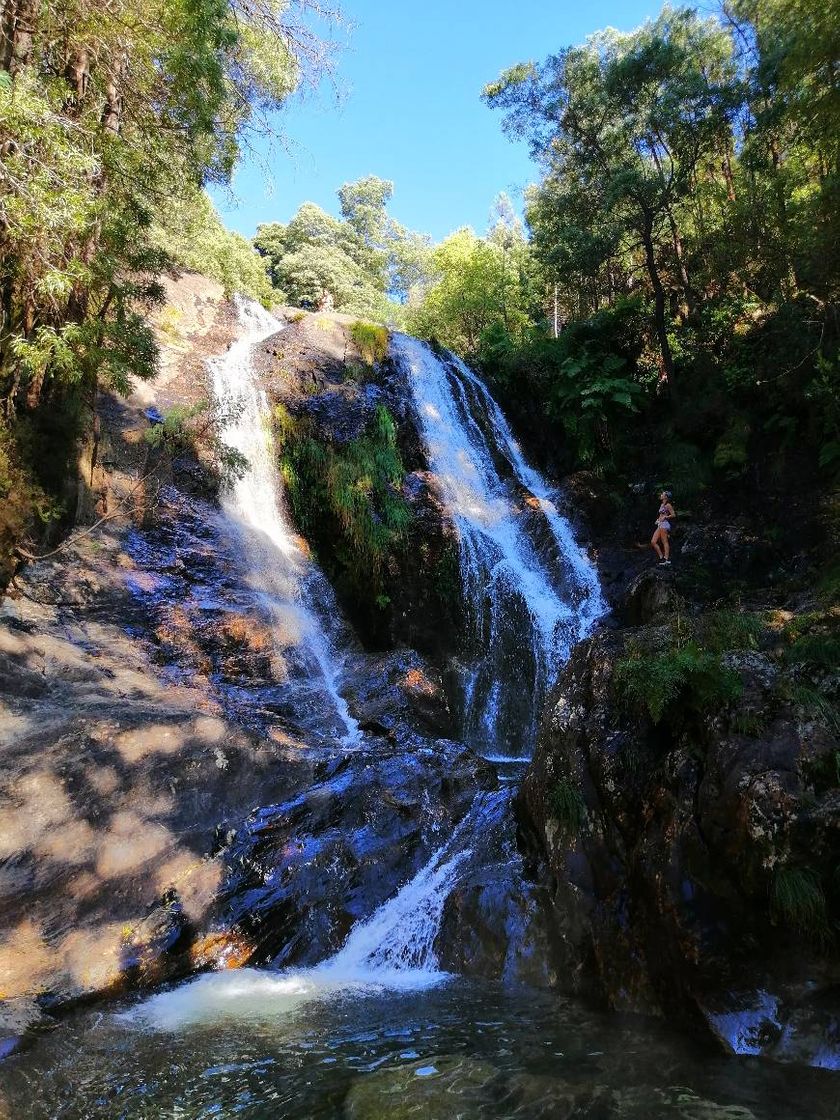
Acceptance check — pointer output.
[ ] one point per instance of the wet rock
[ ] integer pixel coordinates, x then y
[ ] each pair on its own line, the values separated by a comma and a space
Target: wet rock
303, 871
399, 692
497, 924
666, 841
789, 1025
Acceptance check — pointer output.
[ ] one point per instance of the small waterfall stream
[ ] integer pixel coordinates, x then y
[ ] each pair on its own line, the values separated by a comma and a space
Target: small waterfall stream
530, 588
290, 589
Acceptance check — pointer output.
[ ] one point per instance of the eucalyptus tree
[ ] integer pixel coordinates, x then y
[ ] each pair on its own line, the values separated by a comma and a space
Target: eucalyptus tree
622, 125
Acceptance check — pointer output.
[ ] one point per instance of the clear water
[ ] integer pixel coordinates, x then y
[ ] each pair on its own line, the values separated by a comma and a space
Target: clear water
530, 588
457, 1050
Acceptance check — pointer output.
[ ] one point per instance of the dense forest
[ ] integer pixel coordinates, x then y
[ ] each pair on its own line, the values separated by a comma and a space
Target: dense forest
671, 297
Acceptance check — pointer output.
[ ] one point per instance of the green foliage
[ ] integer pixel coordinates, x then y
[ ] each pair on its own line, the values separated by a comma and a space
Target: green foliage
371, 339
797, 899
724, 630
587, 381
191, 232
478, 286
195, 428
567, 807
818, 649
691, 165
347, 500
24, 503
687, 679
352, 263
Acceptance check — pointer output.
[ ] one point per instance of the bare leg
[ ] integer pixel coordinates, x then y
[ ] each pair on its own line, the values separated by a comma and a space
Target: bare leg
666, 544
654, 543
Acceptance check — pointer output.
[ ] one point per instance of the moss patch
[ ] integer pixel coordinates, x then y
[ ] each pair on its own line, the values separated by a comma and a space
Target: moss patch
346, 500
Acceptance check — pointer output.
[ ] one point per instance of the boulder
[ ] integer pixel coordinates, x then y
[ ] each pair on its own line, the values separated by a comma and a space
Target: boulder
678, 849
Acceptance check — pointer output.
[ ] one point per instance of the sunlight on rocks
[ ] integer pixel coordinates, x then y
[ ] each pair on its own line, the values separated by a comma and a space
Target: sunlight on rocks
130, 843
155, 738
25, 960
42, 803
196, 881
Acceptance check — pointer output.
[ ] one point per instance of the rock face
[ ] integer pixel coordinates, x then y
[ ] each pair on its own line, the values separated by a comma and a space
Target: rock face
315, 371
691, 857
163, 806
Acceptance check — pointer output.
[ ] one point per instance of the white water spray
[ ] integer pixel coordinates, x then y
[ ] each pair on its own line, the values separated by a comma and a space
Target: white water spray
289, 587
531, 588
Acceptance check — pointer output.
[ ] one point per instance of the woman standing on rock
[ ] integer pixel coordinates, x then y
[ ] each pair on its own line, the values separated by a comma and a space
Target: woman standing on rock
660, 542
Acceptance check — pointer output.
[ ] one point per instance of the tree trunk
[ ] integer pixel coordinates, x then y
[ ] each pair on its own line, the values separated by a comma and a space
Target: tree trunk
659, 304
18, 33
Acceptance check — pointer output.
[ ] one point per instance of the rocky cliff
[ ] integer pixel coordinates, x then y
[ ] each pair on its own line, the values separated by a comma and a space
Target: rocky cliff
684, 806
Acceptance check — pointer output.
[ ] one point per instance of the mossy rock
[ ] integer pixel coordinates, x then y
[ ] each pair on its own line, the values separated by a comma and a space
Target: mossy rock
423, 1090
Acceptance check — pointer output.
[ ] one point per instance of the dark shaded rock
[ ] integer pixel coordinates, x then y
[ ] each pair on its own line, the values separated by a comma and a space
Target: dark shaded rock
664, 841
728, 550
650, 598
400, 691
302, 872
498, 924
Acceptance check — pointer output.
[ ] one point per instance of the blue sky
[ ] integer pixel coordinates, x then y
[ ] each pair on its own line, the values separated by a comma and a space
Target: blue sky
410, 111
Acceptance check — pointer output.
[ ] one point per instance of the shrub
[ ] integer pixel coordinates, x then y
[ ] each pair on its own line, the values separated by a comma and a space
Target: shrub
797, 898
690, 677
371, 339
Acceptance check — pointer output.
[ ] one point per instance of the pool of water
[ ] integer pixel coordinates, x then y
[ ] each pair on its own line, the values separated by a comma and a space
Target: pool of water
262, 1046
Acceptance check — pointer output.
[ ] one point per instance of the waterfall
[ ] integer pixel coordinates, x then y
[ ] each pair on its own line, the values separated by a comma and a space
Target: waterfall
289, 588
392, 950
530, 590
533, 593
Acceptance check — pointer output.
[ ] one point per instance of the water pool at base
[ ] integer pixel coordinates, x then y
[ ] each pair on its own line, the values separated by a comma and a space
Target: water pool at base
269, 1049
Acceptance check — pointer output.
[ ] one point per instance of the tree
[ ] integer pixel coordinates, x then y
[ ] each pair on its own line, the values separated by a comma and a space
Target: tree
622, 125
358, 259
474, 290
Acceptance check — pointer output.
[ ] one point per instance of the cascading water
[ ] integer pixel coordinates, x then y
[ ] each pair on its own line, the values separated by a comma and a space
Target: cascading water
286, 583
534, 591
530, 589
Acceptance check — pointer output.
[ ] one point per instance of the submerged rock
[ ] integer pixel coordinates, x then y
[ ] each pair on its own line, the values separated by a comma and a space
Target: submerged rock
436, 1087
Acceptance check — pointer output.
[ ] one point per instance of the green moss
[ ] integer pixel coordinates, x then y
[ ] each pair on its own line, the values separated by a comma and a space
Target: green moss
567, 807
346, 500
447, 576
371, 339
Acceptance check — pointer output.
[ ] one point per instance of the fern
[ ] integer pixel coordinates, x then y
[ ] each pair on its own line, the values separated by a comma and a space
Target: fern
798, 899
689, 676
